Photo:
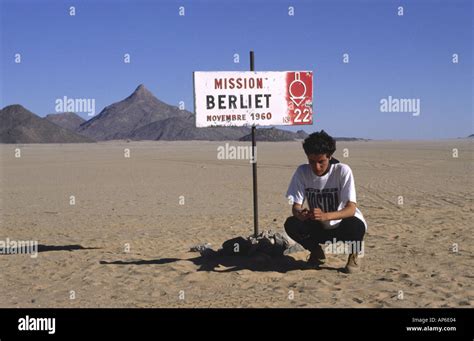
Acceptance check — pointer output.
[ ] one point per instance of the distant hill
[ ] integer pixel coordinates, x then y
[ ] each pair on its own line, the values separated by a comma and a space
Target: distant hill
301, 134
174, 129
471, 136
18, 125
350, 139
68, 120
273, 135
141, 116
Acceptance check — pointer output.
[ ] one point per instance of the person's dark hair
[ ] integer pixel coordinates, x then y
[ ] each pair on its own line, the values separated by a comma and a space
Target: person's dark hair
319, 143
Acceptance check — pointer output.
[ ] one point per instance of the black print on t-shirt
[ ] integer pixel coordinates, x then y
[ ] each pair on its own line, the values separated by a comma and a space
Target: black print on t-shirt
326, 199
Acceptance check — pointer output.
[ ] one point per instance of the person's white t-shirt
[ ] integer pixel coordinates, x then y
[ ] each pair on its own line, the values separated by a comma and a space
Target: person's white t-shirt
329, 192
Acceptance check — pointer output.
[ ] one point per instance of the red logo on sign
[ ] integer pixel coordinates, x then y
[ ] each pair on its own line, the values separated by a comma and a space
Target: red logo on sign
299, 96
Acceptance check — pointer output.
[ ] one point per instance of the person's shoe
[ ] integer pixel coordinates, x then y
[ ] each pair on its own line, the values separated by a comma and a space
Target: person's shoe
353, 263
317, 257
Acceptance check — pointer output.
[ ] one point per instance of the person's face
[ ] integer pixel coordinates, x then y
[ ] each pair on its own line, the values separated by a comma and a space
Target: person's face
319, 163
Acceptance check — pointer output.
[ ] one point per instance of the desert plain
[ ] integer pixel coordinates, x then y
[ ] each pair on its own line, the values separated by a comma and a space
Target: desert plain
116, 231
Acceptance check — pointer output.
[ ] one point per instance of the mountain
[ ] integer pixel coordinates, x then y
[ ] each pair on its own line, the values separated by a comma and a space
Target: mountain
68, 120
141, 116
118, 120
18, 125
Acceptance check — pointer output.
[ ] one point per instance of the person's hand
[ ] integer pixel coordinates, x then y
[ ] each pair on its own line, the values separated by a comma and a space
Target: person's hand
303, 214
317, 214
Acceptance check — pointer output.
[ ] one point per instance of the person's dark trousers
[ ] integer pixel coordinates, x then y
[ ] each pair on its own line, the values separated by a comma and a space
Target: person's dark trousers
310, 233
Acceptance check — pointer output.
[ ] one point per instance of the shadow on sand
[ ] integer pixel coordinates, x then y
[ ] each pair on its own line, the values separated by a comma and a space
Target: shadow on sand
221, 263
73, 247
48, 248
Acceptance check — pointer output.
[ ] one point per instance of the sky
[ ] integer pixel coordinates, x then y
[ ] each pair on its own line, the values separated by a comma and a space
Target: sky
409, 56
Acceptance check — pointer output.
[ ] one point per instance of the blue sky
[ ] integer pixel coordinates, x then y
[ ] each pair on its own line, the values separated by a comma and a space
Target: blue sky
407, 56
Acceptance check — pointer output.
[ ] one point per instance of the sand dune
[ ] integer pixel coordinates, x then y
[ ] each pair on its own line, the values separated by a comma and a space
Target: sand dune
409, 260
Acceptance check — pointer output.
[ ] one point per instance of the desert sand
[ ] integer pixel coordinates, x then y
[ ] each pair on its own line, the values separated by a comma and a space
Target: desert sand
169, 196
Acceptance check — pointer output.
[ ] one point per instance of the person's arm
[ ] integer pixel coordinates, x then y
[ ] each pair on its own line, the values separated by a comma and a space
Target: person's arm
295, 195
299, 212
348, 211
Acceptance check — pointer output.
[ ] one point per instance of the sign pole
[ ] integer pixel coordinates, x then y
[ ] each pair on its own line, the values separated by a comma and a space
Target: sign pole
254, 166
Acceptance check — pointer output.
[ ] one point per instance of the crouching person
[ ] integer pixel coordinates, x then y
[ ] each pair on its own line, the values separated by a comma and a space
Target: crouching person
328, 188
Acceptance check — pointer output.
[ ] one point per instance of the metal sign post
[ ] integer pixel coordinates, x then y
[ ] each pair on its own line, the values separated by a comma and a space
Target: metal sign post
254, 165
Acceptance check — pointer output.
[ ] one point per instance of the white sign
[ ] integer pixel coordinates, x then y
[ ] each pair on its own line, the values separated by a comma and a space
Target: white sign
253, 98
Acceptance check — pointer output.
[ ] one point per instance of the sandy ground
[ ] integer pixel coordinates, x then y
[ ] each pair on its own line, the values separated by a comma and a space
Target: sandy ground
410, 259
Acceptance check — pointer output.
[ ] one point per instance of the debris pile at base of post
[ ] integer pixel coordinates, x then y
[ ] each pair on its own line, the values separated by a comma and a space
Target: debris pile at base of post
267, 242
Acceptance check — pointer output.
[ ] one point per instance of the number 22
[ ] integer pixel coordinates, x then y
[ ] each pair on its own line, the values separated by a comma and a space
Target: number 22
298, 116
